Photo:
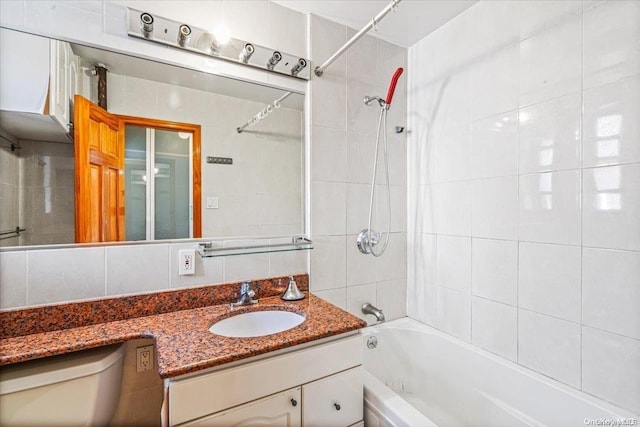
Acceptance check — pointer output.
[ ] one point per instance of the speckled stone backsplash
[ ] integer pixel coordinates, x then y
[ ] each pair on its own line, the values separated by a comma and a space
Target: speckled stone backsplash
14, 323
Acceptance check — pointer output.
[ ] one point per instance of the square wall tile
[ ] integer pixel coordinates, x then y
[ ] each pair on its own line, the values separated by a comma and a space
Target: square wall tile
550, 346
453, 312
361, 268
392, 264
358, 199
288, 263
610, 368
539, 15
611, 291
328, 154
611, 128
137, 268
549, 280
337, 297
287, 29
392, 298
328, 208
550, 135
328, 263
494, 87
62, 275
422, 303
360, 155
494, 327
452, 208
246, 267
421, 257
454, 262
612, 207
495, 208
611, 35
550, 208
551, 62
453, 153
13, 279
357, 296
495, 270
494, 146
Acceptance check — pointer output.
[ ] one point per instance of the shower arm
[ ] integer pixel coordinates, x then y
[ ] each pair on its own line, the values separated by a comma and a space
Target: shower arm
372, 24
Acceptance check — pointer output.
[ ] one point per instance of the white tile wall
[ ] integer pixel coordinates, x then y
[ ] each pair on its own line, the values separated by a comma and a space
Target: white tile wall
342, 155
547, 195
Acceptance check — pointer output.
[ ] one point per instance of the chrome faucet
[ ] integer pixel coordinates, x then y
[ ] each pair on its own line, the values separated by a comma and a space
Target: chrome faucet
246, 296
367, 308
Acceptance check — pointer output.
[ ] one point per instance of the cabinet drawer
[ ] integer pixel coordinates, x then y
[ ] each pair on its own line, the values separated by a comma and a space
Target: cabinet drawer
334, 401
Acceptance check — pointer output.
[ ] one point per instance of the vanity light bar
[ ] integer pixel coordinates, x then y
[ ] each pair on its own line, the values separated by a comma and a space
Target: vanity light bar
157, 29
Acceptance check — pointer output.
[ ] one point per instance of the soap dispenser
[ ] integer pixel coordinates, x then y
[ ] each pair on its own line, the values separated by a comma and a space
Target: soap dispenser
292, 293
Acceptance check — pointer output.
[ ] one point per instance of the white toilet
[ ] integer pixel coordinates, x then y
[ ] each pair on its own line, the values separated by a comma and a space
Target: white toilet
76, 389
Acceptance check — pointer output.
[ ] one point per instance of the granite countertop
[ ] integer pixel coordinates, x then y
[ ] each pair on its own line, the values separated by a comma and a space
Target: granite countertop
183, 341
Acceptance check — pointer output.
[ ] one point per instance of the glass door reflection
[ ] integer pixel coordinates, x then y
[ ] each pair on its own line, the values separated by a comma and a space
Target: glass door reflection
159, 184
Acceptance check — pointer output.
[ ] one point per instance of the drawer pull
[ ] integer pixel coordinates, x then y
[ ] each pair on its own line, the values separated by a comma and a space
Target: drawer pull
294, 402
337, 406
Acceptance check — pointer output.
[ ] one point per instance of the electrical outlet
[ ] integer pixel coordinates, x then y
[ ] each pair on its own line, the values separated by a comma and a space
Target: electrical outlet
186, 262
144, 358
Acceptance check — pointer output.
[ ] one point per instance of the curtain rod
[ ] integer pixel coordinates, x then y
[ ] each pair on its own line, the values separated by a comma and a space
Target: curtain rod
372, 24
263, 113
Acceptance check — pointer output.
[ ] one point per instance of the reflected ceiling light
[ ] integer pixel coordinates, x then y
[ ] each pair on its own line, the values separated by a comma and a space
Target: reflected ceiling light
246, 52
146, 24
273, 61
222, 35
184, 32
184, 135
298, 67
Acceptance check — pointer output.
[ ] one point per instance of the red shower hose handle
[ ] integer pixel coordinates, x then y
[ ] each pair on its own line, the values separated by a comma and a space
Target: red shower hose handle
392, 85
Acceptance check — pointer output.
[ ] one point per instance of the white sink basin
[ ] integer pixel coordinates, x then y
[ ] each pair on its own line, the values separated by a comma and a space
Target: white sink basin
256, 323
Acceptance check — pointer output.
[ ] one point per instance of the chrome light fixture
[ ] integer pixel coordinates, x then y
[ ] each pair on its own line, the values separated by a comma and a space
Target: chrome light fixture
246, 52
146, 24
214, 42
273, 61
184, 32
302, 63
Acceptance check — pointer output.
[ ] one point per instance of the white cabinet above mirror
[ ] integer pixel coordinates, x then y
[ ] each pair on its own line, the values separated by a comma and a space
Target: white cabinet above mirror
261, 194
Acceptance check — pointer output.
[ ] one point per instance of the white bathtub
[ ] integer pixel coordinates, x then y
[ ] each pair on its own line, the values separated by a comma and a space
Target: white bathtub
418, 376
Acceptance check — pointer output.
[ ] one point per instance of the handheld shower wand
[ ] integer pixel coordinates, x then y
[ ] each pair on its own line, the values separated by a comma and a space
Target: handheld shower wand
368, 239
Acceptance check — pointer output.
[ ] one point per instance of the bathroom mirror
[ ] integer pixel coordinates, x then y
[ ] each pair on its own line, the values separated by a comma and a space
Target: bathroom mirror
252, 182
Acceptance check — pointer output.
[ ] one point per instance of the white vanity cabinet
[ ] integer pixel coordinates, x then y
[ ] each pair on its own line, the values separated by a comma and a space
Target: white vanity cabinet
319, 385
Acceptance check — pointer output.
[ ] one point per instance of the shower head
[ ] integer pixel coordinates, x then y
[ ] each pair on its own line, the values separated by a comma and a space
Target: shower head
369, 99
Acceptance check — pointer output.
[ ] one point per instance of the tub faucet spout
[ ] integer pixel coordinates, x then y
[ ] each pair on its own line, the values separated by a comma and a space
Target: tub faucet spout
367, 308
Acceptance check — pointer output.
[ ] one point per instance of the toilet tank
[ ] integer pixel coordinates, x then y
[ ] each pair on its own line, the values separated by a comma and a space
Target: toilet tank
75, 389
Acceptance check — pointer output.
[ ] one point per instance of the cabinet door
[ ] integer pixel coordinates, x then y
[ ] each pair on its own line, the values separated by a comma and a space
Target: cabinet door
334, 401
280, 410
58, 95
